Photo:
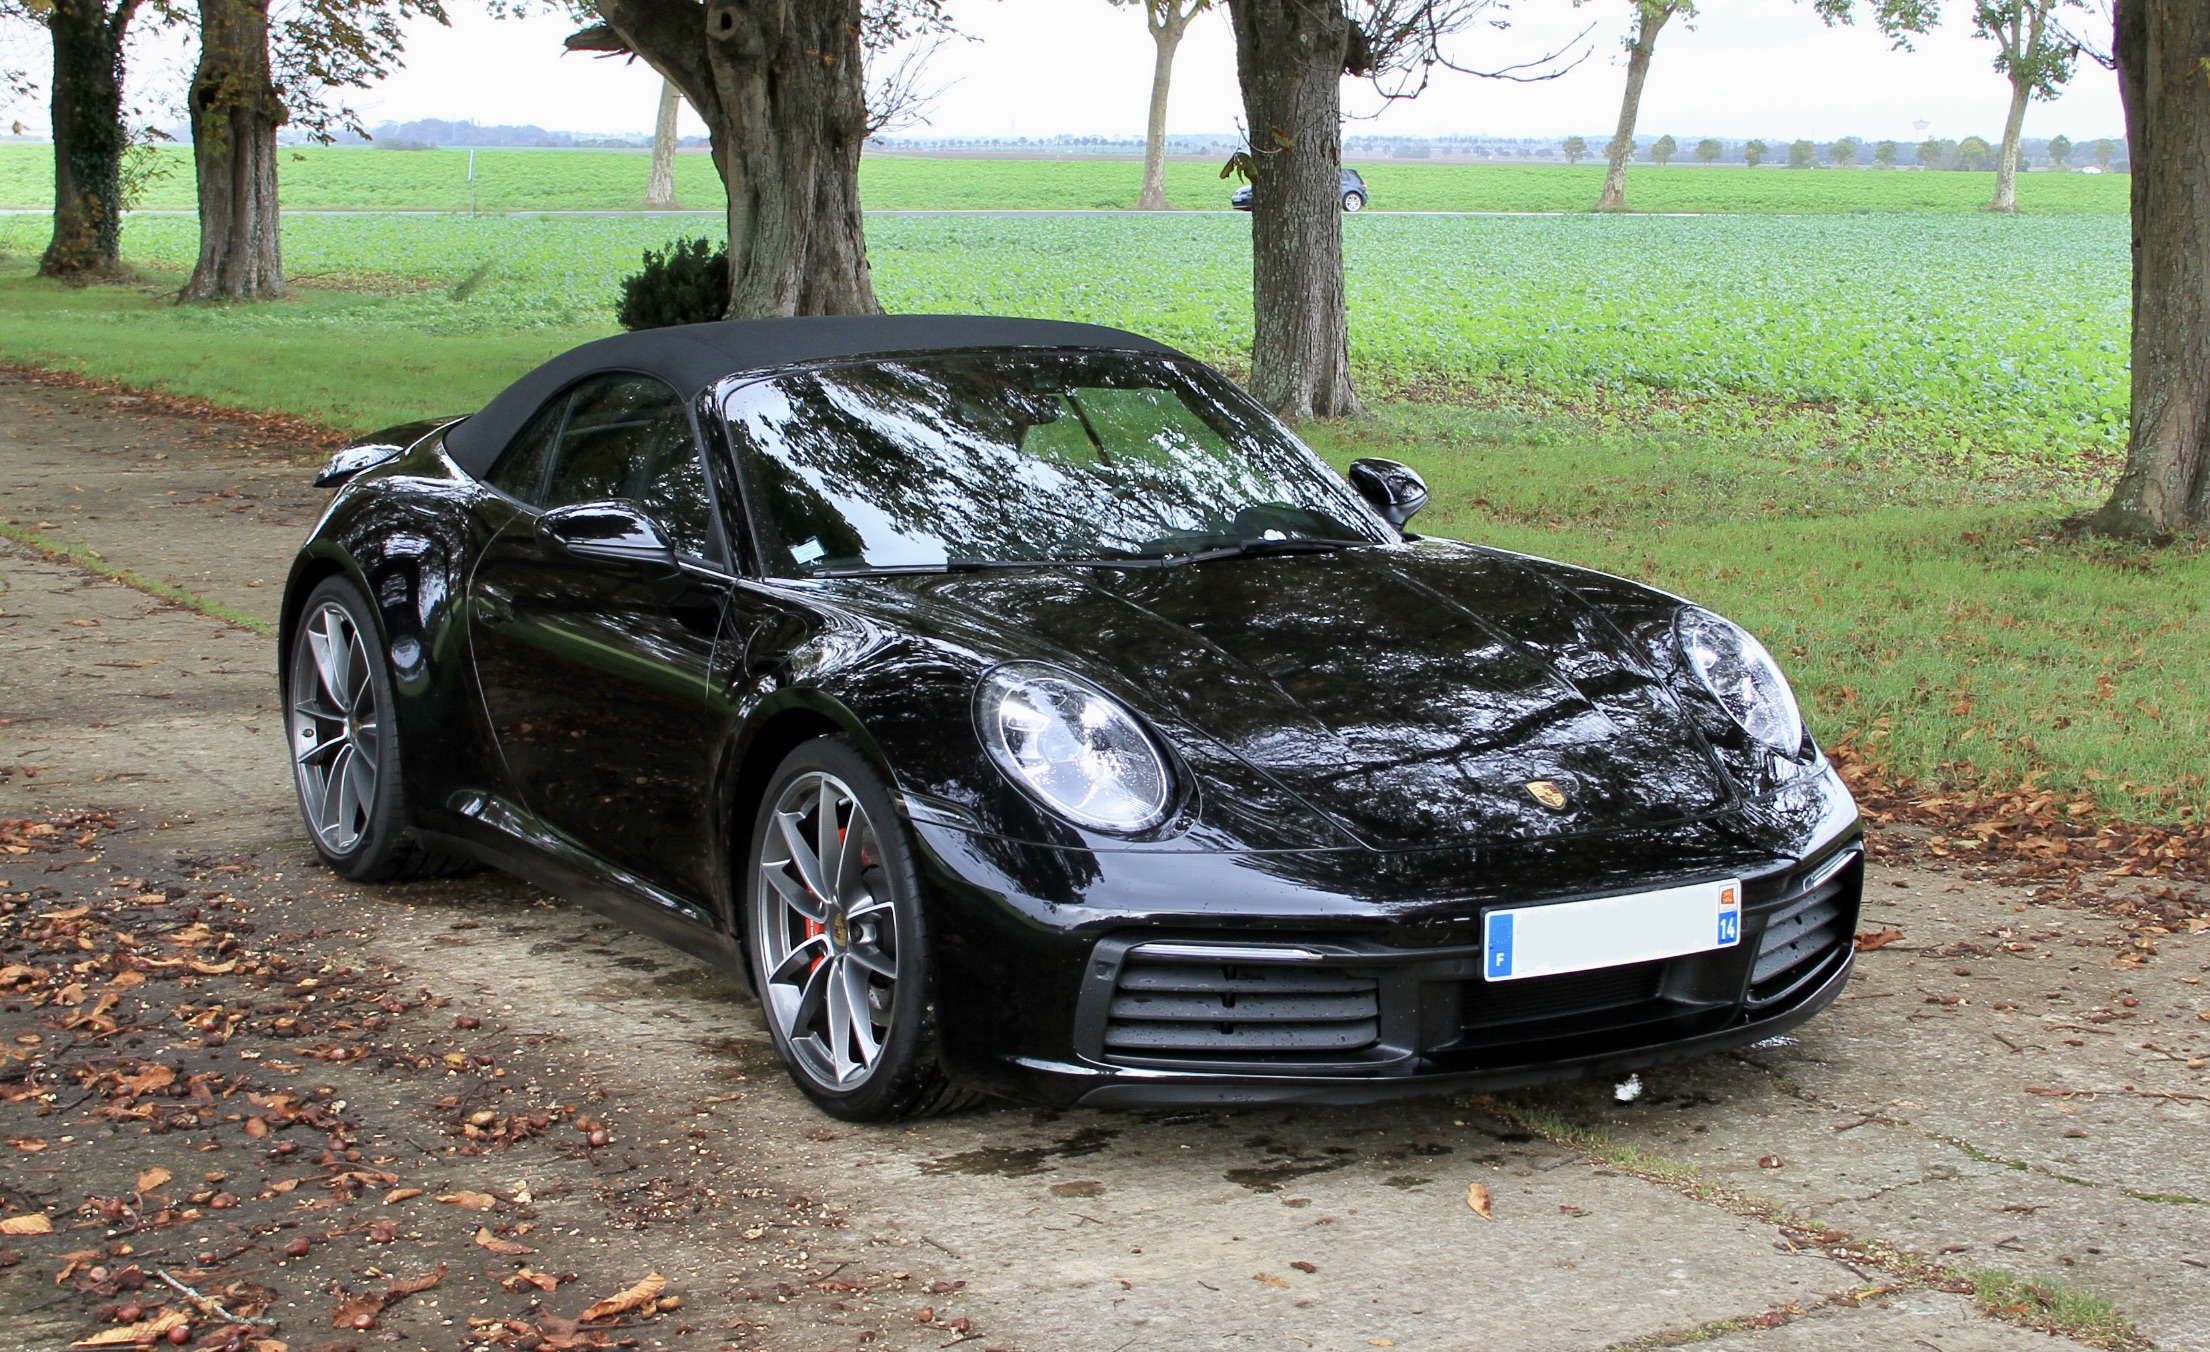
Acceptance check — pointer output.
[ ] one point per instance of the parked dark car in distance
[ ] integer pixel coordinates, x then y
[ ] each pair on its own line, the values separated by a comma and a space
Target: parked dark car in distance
1353, 189
1024, 710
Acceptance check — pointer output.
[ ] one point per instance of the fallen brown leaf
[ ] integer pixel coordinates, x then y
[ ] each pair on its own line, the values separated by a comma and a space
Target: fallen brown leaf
1870, 940
1269, 1279
35, 1223
623, 1302
149, 1179
1477, 1197
359, 1312
400, 1195
144, 1331
1302, 1266
471, 1201
32, 1144
504, 1247
523, 1279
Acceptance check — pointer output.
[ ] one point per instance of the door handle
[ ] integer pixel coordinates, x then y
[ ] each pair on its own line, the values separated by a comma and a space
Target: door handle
492, 611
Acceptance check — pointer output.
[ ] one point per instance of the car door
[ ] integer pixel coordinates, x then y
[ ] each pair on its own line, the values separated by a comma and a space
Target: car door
594, 673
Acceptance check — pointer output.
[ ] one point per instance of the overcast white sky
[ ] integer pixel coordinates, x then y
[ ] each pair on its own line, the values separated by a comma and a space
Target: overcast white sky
1044, 67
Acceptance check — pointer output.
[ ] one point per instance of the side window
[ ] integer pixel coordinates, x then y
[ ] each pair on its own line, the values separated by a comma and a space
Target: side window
520, 469
627, 437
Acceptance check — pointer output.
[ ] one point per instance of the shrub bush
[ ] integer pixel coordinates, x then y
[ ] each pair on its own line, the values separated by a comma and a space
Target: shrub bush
685, 283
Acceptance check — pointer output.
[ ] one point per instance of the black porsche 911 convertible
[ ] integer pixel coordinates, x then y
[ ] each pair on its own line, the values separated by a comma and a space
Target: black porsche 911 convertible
1026, 711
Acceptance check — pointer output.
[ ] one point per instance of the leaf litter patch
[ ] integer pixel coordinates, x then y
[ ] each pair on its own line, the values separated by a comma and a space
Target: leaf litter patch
186, 1105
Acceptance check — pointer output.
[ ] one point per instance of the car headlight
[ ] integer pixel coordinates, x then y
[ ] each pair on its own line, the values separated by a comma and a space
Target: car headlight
1072, 746
1743, 677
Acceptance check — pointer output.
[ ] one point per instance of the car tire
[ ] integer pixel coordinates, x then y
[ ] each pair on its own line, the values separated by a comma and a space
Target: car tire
343, 737
1354, 201
851, 938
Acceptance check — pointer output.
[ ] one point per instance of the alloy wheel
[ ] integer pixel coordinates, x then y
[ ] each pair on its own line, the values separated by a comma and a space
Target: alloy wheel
335, 728
828, 931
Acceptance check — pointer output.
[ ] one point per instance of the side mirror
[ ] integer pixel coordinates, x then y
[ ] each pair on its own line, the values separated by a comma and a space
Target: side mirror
610, 532
1390, 487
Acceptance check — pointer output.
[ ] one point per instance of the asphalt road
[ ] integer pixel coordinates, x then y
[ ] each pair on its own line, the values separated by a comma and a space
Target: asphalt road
1992, 1093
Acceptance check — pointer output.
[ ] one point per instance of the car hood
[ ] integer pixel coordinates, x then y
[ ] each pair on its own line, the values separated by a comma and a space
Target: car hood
1411, 694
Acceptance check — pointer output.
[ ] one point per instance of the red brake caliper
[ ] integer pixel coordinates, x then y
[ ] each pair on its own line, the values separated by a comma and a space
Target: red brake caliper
814, 928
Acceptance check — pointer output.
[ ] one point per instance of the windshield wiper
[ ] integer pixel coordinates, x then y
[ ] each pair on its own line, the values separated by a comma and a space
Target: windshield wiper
1237, 549
987, 565
1242, 549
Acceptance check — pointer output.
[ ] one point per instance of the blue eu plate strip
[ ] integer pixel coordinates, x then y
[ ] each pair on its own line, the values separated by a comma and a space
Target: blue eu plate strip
1500, 944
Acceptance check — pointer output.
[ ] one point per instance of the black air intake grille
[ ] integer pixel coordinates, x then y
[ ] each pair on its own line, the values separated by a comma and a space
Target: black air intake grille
1493, 1004
1801, 938
1182, 1007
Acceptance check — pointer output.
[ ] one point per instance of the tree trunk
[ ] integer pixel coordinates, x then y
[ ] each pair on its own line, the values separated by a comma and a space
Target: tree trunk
236, 110
2166, 482
660, 186
89, 138
1167, 21
1649, 18
1290, 57
2006, 160
781, 89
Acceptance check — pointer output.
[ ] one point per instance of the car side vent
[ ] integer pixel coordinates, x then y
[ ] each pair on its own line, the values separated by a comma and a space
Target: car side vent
1807, 932
1199, 1007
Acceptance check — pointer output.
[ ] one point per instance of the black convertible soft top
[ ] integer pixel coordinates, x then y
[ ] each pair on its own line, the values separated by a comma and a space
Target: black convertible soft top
692, 357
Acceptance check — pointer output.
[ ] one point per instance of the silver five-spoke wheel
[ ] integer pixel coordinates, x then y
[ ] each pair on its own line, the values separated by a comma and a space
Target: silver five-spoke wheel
828, 931
335, 726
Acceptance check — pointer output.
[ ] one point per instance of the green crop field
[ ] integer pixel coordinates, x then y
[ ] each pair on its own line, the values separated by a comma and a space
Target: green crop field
1857, 433
318, 178
1958, 330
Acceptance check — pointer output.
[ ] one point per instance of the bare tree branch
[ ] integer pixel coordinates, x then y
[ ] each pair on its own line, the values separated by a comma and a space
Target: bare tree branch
1400, 44
898, 96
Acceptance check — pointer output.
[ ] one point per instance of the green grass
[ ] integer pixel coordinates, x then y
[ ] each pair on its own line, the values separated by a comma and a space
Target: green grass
1939, 617
2053, 1305
1896, 543
1959, 331
332, 178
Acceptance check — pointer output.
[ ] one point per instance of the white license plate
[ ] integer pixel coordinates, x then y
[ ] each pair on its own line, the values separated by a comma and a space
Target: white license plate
1577, 936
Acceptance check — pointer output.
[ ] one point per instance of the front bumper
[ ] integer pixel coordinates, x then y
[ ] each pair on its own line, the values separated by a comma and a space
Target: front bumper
1438, 1027
1200, 979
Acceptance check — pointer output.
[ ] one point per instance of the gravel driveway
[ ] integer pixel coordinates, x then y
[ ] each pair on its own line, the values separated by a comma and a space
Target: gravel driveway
1993, 1094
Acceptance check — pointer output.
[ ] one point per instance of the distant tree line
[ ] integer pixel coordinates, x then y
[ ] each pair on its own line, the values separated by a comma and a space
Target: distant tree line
433, 132
1972, 154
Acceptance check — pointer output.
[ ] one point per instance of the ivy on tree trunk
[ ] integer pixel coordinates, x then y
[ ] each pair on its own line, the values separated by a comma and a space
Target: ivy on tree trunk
780, 86
2163, 54
89, 137
1290, 58
236, 110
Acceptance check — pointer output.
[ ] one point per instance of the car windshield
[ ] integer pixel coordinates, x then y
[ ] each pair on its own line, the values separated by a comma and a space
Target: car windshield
1027, 458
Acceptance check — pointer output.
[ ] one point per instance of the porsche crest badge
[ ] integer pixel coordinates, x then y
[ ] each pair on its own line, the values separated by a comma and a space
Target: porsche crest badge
1550, 793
